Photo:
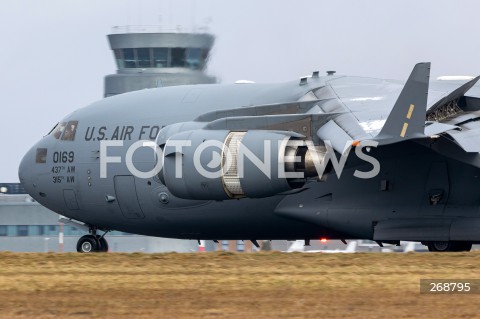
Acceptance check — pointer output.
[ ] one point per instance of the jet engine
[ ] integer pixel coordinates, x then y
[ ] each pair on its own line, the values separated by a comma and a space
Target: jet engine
223, 164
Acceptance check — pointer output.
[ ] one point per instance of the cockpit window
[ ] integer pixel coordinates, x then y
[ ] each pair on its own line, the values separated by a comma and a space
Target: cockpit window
58, 130
70, 131
65, 131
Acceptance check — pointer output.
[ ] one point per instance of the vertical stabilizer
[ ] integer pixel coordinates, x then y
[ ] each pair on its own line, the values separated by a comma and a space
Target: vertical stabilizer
407, 118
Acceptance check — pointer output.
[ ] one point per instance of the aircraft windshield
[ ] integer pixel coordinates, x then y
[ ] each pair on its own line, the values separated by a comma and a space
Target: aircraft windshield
65, 131
70, 131
58, 130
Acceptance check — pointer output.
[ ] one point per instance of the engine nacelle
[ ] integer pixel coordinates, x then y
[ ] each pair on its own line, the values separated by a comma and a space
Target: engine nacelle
220, 164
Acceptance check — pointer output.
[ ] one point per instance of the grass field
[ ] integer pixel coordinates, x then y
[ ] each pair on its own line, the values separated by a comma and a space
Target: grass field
231, 285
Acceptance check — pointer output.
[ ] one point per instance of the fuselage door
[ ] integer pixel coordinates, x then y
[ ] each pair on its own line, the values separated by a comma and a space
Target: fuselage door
127, 198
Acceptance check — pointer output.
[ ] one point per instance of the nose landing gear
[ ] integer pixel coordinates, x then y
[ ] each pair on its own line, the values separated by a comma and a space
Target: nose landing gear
91, 243
88, 244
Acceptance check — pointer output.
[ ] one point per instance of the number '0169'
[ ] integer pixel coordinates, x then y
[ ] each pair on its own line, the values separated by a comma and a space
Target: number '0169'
63, 157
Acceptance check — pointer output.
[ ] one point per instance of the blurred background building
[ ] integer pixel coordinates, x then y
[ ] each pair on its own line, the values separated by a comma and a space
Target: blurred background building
146, 58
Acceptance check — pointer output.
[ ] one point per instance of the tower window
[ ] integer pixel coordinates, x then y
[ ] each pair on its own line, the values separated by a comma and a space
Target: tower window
129, 58
118, 58
194, 58
144, 60
178, 57
160, 57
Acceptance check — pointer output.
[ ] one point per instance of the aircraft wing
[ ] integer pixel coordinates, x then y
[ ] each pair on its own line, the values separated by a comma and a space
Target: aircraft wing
383, 108
371, 100
343, 110
368, 102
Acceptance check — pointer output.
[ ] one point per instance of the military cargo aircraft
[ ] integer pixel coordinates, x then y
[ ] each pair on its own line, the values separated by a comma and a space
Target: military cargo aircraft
332, 156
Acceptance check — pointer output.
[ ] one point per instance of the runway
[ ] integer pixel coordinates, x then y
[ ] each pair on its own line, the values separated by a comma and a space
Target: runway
233, 285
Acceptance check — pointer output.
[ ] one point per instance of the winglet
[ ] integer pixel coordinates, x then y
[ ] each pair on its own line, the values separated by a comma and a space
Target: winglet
407, 118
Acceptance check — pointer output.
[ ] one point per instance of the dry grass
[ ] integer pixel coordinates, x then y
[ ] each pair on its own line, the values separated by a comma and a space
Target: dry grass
228, 285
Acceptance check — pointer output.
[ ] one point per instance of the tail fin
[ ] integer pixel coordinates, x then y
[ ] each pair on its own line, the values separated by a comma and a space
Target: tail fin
407, 118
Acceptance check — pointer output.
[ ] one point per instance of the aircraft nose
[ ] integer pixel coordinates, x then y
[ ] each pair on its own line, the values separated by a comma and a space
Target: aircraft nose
25, 170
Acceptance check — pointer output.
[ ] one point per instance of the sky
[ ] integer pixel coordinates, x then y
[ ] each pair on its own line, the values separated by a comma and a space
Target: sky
54, 53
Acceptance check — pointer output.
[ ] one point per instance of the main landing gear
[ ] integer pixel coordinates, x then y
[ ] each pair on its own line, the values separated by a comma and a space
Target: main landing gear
92, 242
445, 246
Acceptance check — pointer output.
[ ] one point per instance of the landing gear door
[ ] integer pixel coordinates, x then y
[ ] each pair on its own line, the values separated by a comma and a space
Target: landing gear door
127, 199
436, 189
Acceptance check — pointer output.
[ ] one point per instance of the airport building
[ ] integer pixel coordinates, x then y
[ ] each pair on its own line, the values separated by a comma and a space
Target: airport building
149, 59
145, 58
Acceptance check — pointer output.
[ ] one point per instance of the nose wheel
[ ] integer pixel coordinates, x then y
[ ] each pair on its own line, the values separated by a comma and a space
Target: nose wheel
87, 244
92, 243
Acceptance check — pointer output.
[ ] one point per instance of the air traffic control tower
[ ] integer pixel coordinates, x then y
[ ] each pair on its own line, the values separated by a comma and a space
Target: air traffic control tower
148, 58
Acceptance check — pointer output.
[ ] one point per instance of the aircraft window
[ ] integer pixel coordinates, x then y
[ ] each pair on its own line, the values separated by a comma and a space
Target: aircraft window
70, 131
129, 58
160, 57
41, 156
178, 57
58, 130
144, 60
194, 56
118, 58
